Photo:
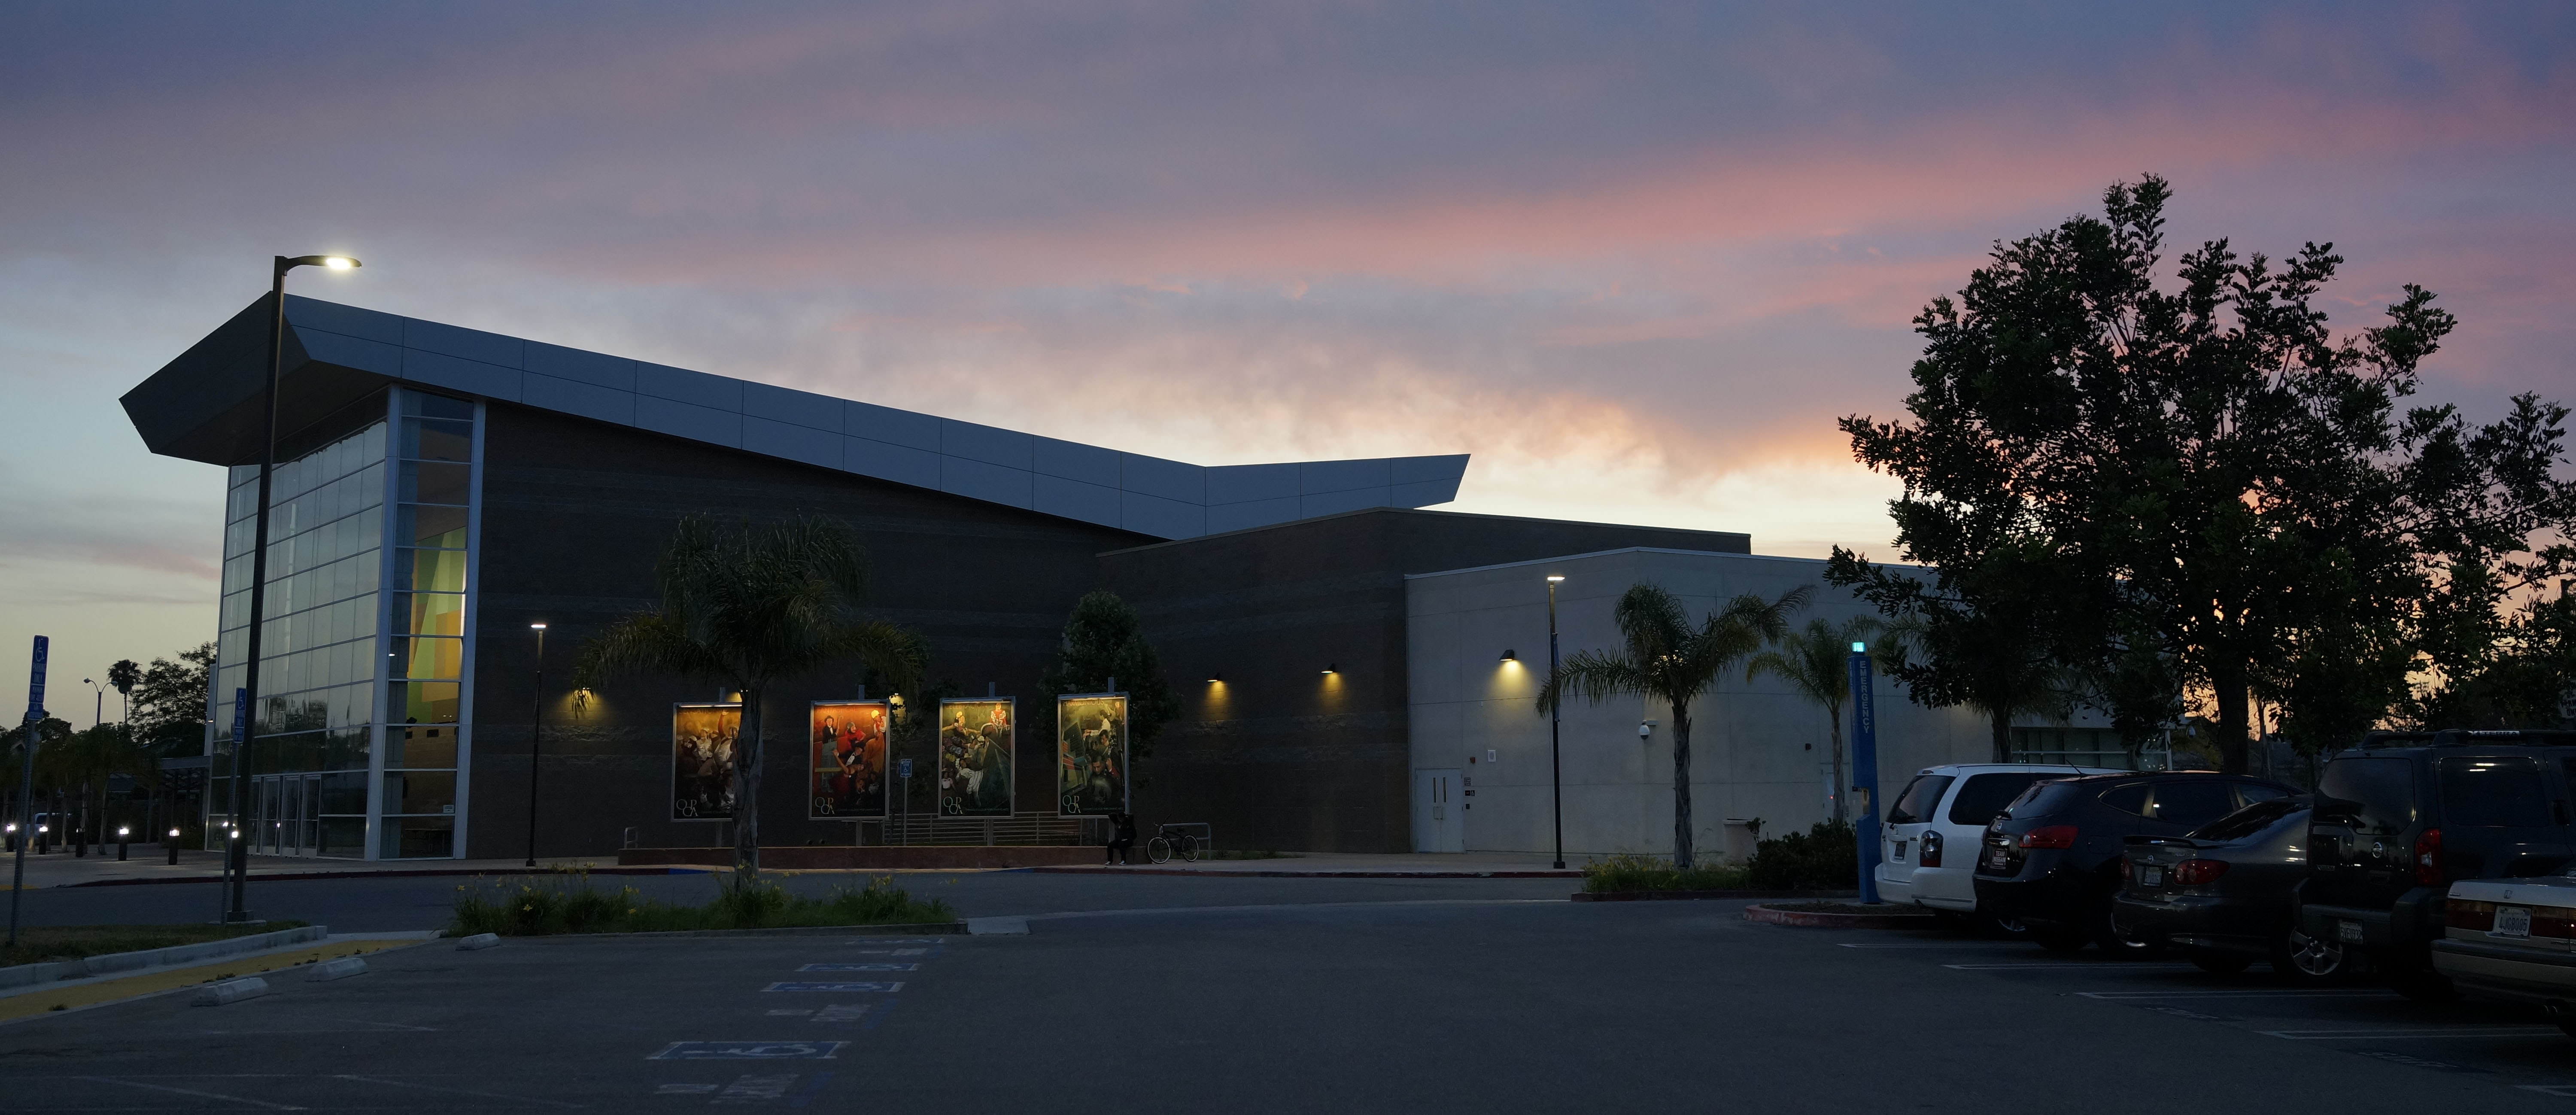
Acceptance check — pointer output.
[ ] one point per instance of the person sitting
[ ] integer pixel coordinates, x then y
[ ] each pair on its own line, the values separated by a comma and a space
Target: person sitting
1122, 837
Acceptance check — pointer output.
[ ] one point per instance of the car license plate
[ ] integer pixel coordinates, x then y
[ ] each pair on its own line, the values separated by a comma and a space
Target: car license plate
2151, 876
2511, 921
2348, 931
1995, 860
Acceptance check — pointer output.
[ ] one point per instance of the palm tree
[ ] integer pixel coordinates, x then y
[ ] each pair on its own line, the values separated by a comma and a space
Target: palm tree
1816, 662
748, 609
1669, 660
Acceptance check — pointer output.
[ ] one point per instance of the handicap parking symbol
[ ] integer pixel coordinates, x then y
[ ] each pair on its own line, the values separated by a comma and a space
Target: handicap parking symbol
749, 1051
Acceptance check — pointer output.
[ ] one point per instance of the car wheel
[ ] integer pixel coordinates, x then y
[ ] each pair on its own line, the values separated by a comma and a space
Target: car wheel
2061, 940
2300, 958
2221, 964
2117, 945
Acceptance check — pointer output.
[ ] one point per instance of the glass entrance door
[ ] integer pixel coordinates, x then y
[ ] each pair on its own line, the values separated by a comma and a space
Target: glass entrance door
289, 814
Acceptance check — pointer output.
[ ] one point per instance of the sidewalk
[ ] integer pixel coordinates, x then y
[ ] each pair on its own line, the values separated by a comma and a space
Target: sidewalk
63, 869
1391, 864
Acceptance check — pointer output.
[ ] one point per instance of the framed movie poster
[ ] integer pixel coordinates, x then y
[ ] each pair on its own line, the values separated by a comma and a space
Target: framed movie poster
845, 760
702, 761
975, 740
1091, 755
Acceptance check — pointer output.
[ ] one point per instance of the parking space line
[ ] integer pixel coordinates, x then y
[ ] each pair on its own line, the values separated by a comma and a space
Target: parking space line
191, 1092
2090, 965
2414, 1034
2284, 993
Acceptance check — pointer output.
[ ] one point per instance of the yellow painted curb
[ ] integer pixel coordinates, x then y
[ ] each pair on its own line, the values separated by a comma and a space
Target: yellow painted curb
107, 991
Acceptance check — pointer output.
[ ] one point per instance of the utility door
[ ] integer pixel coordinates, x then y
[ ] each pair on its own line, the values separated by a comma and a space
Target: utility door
1439, 811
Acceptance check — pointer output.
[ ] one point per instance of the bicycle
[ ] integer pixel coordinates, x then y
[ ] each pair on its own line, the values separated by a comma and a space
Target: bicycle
1183, 840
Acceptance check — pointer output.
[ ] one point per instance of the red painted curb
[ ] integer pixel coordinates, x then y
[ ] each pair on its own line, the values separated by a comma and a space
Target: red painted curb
1166, 871
1703, 895
1809, 919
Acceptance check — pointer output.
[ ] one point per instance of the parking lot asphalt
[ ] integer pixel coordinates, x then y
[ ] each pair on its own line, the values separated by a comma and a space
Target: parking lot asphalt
1463, 1002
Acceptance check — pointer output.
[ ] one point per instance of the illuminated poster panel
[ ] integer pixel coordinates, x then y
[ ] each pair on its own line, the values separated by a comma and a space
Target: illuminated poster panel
845, 759
1091, 755
702, 761
975, 739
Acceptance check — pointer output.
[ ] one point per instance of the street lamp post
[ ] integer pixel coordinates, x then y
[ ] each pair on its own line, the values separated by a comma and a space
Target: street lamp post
1555, 727
94, 828
237, 856
536, 737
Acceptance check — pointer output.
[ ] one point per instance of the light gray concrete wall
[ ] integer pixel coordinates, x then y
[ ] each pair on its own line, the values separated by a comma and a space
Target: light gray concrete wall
1757, 749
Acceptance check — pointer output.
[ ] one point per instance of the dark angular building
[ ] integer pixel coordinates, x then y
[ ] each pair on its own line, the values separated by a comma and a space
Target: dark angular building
439, 490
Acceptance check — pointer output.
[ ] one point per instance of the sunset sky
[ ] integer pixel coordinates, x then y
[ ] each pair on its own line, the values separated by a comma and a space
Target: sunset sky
1636, 258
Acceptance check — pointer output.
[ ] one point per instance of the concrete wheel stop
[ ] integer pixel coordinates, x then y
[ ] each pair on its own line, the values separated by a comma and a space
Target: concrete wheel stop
231, 991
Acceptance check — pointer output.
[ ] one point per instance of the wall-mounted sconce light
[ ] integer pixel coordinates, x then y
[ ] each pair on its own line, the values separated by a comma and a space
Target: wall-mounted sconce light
1216, 679
1511, 656
1333, 669
1645, 728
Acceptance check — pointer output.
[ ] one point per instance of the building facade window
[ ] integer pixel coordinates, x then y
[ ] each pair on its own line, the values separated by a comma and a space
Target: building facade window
359, 713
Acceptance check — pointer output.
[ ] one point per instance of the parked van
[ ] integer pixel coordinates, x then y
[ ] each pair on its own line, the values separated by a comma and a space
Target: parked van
1928, 836
2406, 814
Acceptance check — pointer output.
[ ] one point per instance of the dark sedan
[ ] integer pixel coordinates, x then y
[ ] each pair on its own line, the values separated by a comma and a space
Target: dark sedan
2053, 859
2222, 894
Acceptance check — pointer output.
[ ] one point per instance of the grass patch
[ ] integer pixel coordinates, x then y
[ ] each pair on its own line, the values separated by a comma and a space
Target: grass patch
1633, 872
72, 942
569, 902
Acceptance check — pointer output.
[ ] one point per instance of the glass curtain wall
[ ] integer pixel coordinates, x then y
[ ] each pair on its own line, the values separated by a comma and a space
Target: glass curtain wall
313, 724
432, 518
362, 656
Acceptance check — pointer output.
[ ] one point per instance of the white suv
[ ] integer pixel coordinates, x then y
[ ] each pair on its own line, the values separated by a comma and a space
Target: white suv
1927, 851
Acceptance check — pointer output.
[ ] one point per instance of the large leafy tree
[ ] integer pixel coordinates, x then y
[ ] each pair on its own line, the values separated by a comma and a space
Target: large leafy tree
1104, 638
1666, 657
169, 703
748, 608
1816, 661
2201, 477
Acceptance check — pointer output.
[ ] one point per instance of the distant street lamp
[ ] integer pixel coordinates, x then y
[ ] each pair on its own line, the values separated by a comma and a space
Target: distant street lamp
237, 853
536, 737
1555, 726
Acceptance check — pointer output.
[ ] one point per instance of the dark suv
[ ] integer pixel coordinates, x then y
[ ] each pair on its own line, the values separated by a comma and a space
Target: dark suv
2401, 816
2052, 860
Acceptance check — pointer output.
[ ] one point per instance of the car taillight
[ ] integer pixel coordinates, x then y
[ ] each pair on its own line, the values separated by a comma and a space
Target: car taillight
2194, 872
2049, 836
1930, 856
2428, 858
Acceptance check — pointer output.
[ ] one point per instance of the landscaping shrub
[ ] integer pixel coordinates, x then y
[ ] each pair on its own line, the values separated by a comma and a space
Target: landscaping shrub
1635, 872
1826, 857
568, 902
